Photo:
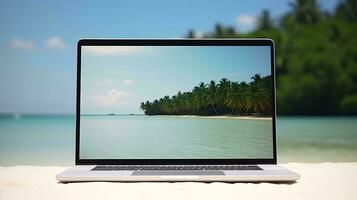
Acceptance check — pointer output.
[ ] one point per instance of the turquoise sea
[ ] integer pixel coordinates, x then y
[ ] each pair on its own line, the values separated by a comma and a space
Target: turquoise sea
175, 137
49, 139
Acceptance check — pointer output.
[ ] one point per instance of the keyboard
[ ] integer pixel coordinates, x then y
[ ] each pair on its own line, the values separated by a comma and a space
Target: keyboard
173, 167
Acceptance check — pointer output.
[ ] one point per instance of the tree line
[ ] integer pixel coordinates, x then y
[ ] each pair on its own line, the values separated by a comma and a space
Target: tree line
223, 98
316, 56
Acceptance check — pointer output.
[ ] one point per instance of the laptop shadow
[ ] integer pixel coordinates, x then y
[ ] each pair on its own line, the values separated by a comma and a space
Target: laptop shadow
205, 182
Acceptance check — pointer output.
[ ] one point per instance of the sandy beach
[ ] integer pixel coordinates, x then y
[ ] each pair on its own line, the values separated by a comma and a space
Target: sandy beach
318, 181
221, 117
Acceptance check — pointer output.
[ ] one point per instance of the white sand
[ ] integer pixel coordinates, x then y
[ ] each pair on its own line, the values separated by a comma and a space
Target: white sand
319, 181
220, 117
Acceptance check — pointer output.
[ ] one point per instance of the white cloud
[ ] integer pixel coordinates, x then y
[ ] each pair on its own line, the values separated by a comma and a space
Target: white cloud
246, 20
112, 50
111, 98
55, 43
127, 82
22, 44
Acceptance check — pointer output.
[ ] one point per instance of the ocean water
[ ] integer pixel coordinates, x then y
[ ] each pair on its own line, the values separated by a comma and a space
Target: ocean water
49, 139
155, 137
37, 140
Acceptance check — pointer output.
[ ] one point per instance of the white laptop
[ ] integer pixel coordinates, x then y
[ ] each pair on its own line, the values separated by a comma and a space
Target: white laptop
176, 110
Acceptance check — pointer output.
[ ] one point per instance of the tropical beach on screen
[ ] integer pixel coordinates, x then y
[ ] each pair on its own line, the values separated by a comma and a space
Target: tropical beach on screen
214, 83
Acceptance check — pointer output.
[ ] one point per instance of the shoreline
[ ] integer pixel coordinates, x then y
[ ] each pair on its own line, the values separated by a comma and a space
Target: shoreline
189, 116
218, 117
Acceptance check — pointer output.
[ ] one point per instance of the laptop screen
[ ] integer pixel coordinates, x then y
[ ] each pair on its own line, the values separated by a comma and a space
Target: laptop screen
176, 102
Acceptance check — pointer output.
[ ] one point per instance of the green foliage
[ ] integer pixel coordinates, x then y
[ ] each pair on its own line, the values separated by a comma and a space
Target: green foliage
316, 57
303, 12
349, 105
223, 98
347, 10
264, 21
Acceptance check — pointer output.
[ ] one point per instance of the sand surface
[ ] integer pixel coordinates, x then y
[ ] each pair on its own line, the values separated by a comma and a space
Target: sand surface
319, 181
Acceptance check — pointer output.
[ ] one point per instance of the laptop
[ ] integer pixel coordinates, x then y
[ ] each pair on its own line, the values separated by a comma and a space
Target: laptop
176, 110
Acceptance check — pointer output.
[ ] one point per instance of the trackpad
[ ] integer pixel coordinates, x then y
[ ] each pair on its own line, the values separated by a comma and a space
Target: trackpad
179, 173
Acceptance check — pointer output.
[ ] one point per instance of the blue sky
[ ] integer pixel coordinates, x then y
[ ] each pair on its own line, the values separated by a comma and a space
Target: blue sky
38, 38
116, 79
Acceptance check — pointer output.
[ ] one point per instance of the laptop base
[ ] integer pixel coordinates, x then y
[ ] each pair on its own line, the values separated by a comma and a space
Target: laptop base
270, 173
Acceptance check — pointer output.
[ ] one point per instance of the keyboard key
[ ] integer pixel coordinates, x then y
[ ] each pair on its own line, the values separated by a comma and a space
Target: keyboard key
173, 167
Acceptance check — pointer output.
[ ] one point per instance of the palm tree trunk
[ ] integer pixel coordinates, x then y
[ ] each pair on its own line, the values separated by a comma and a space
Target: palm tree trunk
214, 108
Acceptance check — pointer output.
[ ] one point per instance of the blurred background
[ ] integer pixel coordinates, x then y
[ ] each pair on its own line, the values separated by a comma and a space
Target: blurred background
316, 61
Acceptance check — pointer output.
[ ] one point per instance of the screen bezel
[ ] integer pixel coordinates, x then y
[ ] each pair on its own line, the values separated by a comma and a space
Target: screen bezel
174, 42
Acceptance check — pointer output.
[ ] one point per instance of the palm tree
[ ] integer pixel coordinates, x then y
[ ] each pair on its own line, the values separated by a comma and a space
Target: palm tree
259, 101
306, 11
222, 92
264, 21
212, 98
166, 105
202, 97
226, 97
146, 107
347, 9
256, 78
142, 106
189, 106
179, 102
219, 30
174, 106
236, 98
303, 12
231, 98
223, 32
197, 99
